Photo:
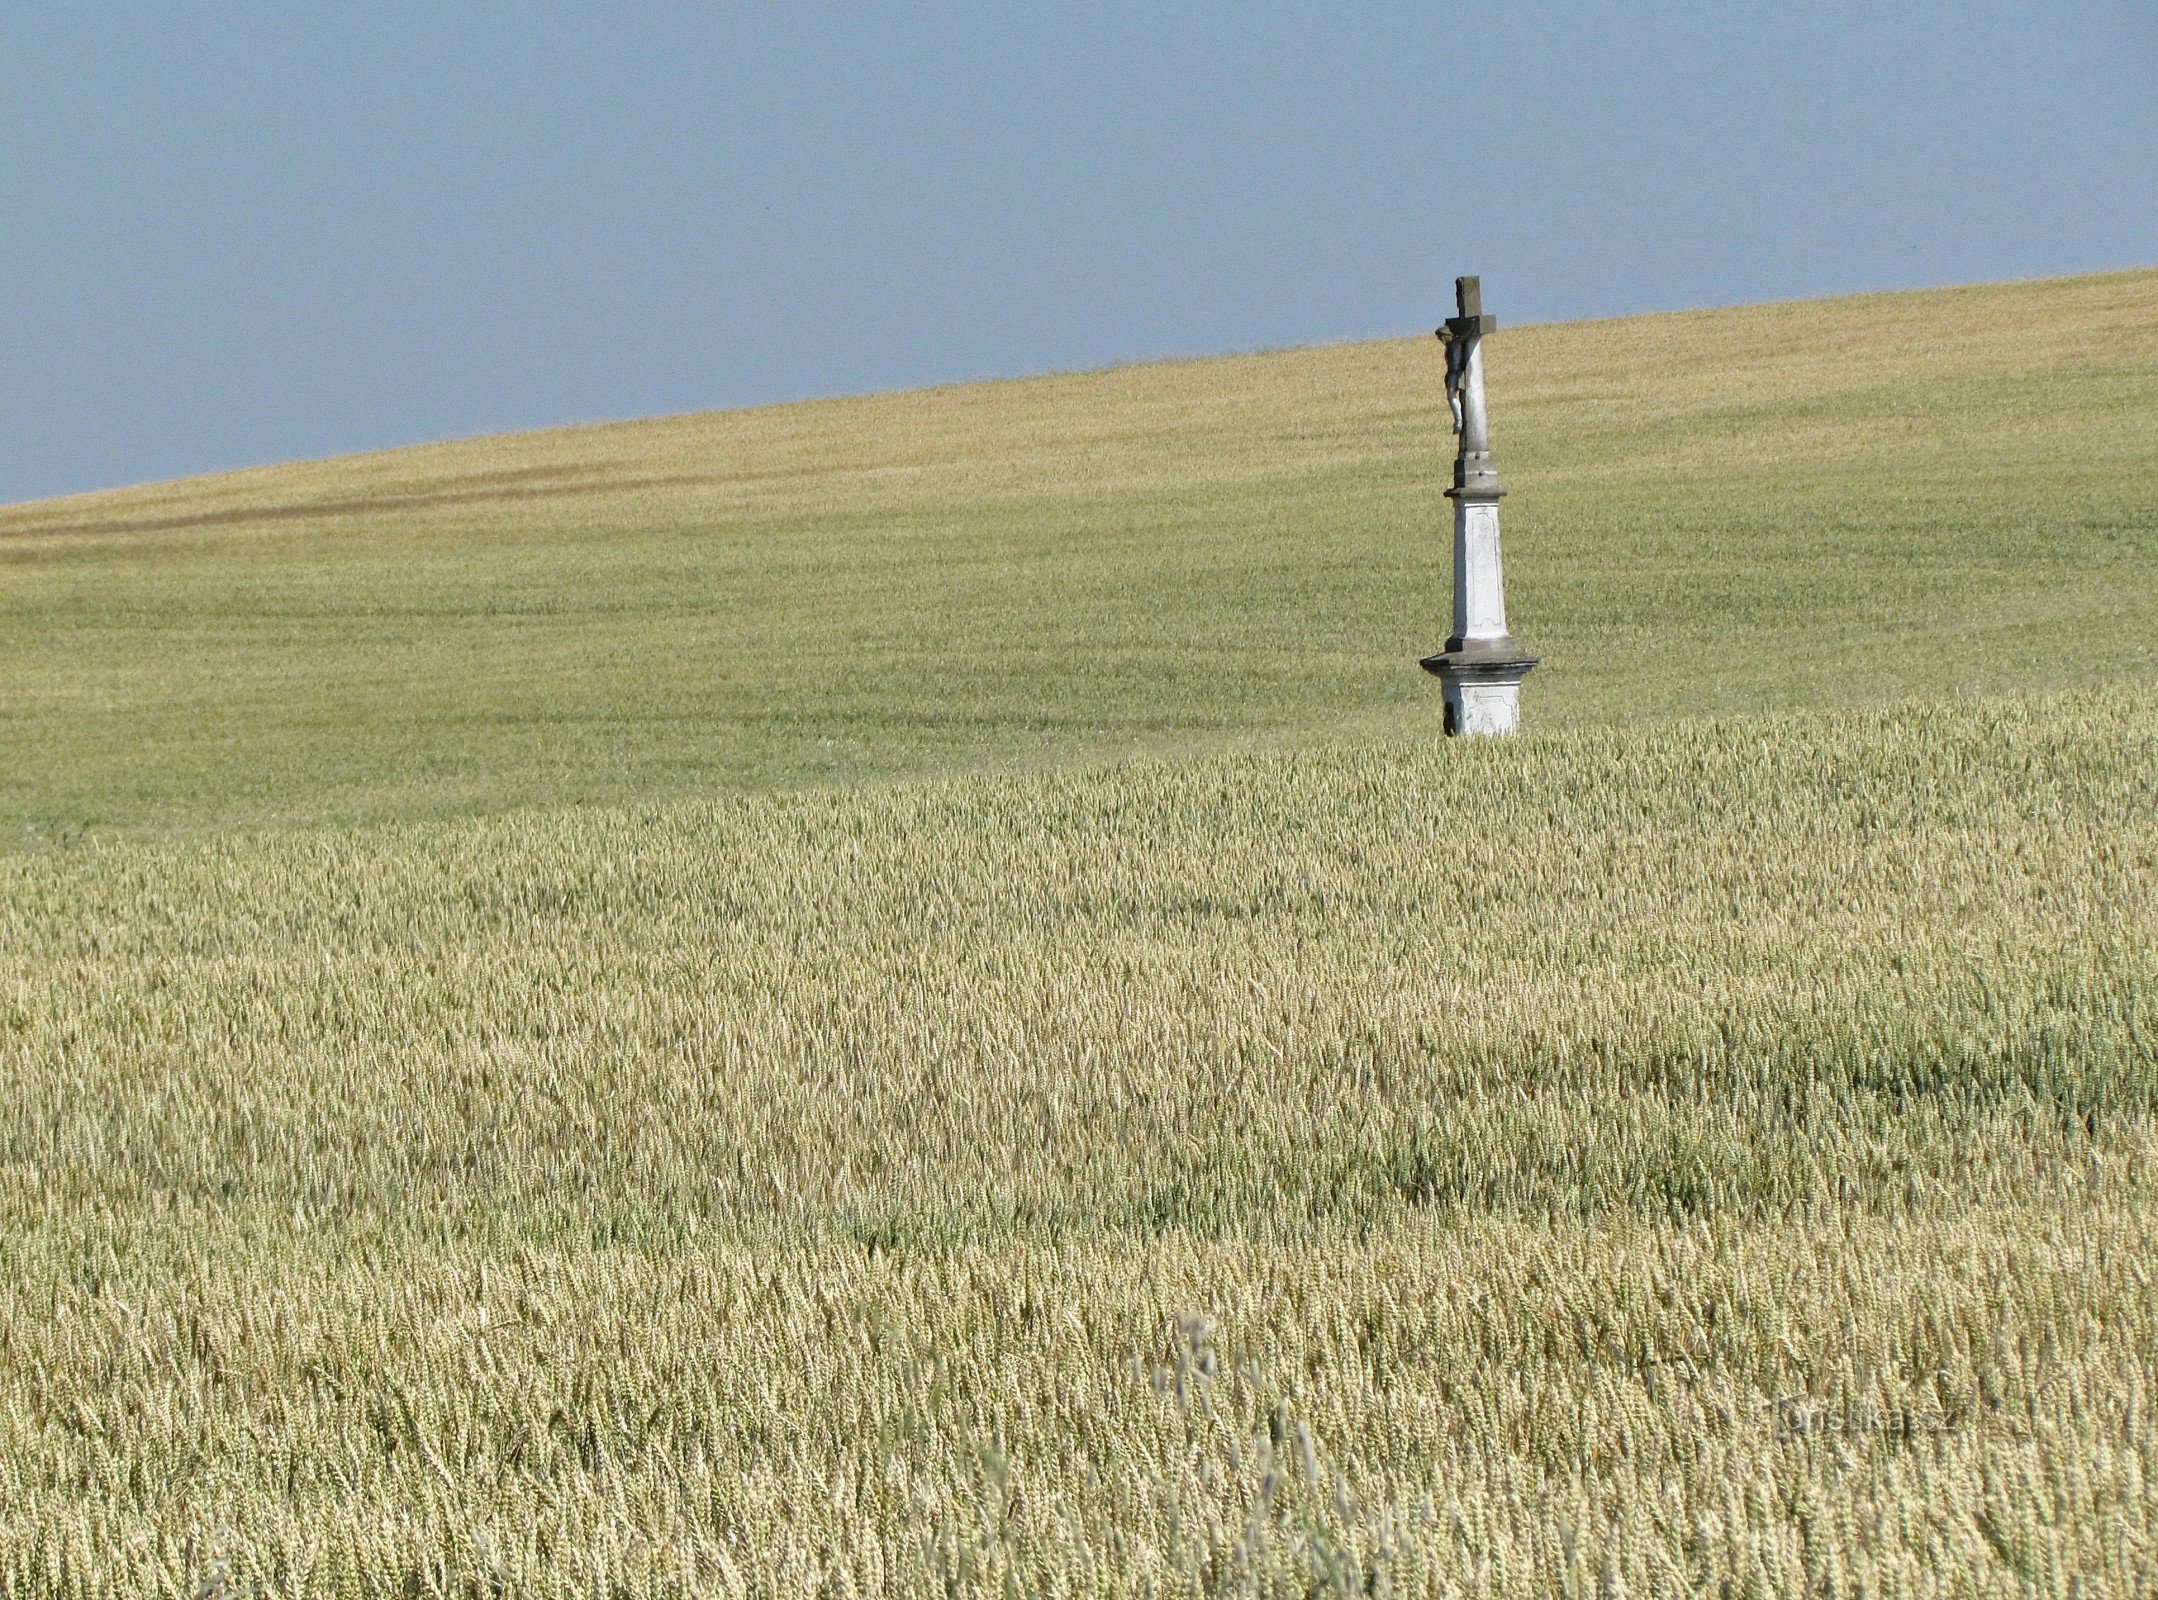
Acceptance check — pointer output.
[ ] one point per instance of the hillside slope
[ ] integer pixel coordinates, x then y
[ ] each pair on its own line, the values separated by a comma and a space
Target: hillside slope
1778, 506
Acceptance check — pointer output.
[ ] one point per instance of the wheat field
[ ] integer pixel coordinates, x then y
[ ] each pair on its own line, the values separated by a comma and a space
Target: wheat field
1228, 1148
1734, 1169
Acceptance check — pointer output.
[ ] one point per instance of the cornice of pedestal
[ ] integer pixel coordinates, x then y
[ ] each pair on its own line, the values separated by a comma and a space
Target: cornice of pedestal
1491, 660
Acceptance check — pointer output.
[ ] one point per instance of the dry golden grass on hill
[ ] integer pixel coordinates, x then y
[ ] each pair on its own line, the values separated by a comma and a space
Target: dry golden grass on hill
1171, 426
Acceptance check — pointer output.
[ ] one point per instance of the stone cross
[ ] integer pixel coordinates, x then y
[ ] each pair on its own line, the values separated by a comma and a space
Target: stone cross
1481, 668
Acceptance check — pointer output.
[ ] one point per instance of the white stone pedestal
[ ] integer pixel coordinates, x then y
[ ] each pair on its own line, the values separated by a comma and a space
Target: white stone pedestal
1482, 706
1481, 668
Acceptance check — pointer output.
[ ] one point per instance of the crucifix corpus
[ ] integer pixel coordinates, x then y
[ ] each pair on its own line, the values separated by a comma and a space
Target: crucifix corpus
1481, 668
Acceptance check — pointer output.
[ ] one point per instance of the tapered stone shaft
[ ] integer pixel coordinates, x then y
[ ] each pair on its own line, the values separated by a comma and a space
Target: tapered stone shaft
1479, 582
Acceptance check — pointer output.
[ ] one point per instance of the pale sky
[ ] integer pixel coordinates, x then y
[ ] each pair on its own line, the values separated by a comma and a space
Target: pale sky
239, 231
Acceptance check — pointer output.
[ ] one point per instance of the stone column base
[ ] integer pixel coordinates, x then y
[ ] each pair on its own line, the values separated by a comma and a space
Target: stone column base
1482, 687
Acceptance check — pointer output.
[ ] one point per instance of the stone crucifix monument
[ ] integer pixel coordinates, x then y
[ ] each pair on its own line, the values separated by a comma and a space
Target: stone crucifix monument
1481, 668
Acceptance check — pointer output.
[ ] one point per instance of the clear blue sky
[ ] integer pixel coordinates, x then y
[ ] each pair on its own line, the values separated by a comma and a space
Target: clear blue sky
238, 231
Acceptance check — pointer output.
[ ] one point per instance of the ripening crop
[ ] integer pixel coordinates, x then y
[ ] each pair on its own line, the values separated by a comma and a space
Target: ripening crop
1714, 1157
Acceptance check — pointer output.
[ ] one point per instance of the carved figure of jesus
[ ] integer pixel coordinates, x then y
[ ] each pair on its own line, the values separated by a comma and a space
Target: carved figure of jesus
1463, 335
1457, 374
